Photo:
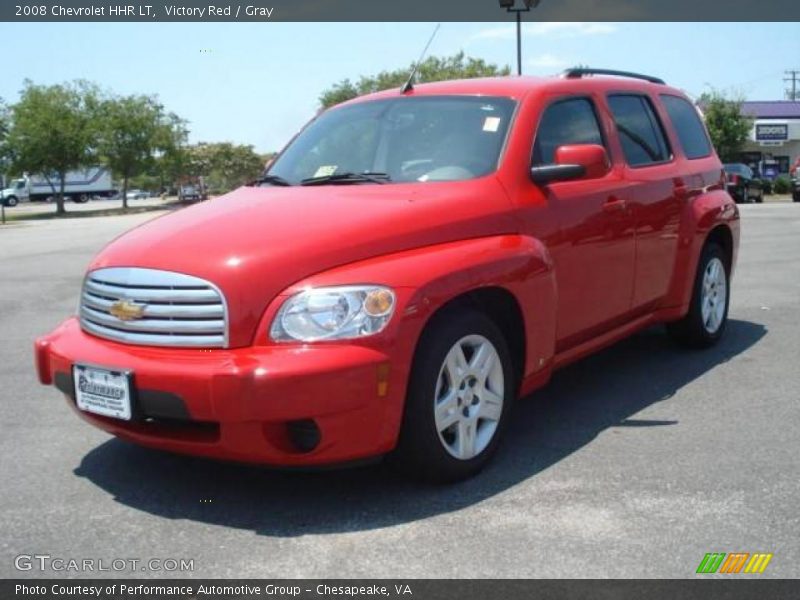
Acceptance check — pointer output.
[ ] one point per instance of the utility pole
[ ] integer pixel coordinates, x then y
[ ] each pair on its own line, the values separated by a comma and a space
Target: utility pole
794, 78
511, 6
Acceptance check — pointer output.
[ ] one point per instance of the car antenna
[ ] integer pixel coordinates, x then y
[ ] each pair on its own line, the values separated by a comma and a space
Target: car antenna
409, 84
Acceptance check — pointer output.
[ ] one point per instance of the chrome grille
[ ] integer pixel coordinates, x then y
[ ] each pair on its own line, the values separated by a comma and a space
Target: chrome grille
176, 310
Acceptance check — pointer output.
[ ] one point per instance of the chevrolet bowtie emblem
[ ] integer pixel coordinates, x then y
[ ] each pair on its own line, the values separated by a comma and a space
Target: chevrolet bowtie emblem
126, 311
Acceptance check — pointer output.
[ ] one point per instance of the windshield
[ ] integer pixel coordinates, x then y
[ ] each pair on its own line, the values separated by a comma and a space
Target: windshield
431, 138
739, 170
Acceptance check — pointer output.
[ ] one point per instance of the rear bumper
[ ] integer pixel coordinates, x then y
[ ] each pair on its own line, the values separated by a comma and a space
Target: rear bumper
241, 404
738, 193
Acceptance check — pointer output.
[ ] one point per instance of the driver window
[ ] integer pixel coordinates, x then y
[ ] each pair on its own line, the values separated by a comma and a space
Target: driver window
572, 121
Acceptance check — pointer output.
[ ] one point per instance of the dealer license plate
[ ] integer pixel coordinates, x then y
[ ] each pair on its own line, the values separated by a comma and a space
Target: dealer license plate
103, 391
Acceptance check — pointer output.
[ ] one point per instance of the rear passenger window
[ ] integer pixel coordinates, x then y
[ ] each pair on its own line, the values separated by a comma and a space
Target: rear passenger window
566, 122
640, 132
689, 127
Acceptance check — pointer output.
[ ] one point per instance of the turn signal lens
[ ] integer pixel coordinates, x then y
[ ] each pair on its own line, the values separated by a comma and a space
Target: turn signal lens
379, 302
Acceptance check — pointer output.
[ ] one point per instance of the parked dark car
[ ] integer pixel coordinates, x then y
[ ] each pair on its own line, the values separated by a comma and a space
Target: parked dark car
742, 184
796, 187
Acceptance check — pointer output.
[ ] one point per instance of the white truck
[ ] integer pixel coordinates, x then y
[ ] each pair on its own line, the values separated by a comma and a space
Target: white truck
79, 186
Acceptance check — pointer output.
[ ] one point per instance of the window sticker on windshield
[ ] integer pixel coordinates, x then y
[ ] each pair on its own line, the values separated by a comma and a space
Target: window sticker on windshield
491, 123
325, 170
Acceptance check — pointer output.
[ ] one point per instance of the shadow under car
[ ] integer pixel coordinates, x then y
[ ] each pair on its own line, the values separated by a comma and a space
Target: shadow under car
602, 391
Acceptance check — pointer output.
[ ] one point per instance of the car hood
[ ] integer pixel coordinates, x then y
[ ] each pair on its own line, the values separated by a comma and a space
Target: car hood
253, 243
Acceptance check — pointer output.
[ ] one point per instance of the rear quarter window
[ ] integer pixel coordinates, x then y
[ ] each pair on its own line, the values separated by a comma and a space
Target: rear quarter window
690, 129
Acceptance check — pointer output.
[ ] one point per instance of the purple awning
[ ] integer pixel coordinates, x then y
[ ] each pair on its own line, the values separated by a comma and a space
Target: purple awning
775, 109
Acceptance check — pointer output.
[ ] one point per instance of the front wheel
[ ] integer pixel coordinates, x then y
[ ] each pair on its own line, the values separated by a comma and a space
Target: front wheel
461, 389
11, 201
705, 322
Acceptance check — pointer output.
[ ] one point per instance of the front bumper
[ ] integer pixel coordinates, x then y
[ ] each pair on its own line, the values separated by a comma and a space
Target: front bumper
241, 404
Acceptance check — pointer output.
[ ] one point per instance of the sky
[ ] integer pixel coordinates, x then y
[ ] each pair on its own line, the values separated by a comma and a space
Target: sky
259, 83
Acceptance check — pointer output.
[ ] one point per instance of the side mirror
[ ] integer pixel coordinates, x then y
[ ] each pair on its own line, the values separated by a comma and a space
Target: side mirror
575, 161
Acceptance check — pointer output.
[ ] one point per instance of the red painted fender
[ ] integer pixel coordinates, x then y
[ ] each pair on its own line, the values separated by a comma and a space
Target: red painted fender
700, 216
425, 279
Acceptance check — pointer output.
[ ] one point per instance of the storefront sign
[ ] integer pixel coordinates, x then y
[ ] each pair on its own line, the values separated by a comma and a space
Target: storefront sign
772, 132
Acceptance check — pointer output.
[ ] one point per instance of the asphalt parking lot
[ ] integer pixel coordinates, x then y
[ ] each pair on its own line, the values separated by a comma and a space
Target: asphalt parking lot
632, 463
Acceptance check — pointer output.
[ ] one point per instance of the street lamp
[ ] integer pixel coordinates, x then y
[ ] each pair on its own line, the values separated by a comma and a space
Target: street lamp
511, 6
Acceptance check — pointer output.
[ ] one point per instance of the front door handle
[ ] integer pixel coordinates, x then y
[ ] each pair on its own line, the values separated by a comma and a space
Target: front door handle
614, 204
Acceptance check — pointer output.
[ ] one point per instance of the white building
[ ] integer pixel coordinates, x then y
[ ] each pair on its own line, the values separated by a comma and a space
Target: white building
775, 134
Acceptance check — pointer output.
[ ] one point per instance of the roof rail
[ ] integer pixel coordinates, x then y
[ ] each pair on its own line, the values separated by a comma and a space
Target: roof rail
580, 72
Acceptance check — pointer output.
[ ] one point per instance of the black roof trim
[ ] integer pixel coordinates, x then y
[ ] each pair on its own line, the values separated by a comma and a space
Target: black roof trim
580, 72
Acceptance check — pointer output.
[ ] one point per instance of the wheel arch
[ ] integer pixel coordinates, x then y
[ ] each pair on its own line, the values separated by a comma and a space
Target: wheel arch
510, 276
710, 216
503, 308
721, 234
511, 279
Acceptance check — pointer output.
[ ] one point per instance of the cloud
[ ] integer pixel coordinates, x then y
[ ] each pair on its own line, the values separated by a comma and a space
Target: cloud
547, 61
555, 29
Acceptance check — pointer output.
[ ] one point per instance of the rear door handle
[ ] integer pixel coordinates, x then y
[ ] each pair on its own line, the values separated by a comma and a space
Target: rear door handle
681, 192
614, 204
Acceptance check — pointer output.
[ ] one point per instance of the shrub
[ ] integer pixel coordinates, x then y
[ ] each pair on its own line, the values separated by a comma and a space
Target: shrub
782, 185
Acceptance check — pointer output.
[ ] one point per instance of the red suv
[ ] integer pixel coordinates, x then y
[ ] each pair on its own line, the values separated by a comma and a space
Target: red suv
410, 264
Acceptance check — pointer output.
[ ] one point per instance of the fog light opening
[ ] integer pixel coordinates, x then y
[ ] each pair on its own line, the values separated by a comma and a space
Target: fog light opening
304, 434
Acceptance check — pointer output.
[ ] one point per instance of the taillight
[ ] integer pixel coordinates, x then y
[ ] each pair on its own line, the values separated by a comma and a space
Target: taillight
733, 179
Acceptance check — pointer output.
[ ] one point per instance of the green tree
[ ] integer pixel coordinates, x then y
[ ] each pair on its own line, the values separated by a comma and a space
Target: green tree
4, 120
728, 127
169, 166
5, 124
433, 68
223, 165
134, 131
53, 130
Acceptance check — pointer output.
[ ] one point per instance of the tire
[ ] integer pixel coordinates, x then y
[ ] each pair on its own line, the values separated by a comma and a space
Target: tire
80, 199
796, 197
480, 399
11, 201
703, 328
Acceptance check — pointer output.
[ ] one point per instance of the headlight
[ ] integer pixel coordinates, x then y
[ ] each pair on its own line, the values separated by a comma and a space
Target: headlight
334, 313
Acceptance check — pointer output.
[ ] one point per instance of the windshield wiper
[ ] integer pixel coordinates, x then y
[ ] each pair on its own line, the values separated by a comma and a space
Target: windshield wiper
348, 177
271, 179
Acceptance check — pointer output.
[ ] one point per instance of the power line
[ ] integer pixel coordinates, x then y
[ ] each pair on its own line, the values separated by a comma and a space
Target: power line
794, 78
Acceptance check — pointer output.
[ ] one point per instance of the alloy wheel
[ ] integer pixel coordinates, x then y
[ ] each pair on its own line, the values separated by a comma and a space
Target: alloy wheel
714, 295
469, 397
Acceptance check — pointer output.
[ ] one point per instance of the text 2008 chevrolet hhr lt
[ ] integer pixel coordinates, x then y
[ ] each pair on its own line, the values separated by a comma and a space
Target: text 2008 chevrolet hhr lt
409, 265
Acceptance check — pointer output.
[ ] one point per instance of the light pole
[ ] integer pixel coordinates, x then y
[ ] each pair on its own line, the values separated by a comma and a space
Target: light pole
511, 6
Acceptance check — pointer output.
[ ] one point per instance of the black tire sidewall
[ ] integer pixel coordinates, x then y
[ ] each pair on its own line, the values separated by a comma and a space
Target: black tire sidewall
420, 451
